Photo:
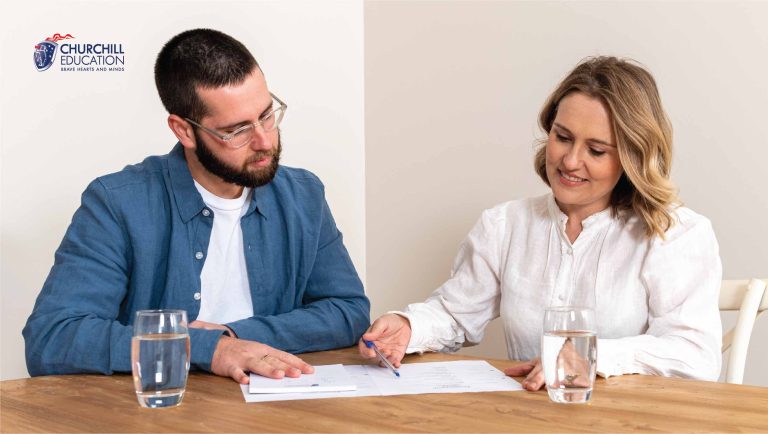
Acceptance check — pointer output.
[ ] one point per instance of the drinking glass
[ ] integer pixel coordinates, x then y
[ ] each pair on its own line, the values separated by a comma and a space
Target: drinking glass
160, 357
569, 353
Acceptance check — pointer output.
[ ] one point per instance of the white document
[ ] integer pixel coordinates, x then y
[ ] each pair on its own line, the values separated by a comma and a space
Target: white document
328, 378
434, 377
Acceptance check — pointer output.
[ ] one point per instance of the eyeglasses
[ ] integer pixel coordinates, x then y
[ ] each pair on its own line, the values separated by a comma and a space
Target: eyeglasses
243, 135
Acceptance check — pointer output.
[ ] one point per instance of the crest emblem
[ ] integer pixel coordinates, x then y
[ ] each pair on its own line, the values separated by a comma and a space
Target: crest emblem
45, 51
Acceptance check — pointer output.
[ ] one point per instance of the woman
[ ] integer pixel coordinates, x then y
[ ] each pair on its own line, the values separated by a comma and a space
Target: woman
612, 228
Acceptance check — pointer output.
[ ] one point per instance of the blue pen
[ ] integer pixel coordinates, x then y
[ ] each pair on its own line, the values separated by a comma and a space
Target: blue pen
383, 359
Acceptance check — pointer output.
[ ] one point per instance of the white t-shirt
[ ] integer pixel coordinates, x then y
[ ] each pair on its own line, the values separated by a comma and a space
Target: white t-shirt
226, 294
656, 300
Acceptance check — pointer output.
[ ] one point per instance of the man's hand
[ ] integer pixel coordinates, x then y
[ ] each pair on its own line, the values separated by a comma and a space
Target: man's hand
391, 333
236, 357
211, 326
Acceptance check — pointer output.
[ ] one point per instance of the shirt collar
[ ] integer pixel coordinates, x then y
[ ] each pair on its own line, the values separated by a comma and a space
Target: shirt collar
188, 199
261, 198
596, 220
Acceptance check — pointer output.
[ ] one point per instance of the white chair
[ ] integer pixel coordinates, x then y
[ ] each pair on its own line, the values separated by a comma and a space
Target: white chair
750, 299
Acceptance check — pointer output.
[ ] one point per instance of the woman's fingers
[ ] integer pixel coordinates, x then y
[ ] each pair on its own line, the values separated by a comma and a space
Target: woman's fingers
520, 369
535, 379
391, 334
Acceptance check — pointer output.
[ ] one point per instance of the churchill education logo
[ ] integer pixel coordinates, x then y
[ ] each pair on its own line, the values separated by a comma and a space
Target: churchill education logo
79, 57
45, 51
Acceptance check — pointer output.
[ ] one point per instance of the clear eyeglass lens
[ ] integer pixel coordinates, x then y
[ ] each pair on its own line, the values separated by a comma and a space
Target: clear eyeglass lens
242, 137
268, 123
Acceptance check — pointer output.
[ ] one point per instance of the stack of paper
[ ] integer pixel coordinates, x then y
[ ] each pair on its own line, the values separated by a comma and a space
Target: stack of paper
328, 378
337, 381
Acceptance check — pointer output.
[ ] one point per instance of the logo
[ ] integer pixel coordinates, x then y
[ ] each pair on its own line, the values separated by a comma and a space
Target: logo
45, 51
79, 56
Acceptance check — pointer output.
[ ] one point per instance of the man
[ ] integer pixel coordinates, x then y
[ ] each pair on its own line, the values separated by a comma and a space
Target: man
216, 227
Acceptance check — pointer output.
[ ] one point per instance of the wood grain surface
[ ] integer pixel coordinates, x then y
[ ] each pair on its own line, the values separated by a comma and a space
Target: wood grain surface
96, 403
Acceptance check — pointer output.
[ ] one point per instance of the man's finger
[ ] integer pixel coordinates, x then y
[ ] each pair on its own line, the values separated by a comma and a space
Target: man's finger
278, 364
197, 324
292, 361
260, 366
239, 375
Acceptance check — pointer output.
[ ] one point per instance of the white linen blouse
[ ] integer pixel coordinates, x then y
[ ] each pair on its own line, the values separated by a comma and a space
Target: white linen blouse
656, 301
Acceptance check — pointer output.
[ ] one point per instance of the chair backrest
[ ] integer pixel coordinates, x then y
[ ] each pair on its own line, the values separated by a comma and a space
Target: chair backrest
750, 299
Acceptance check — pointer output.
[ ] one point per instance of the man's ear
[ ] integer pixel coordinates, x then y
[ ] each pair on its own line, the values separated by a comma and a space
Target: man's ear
183, 131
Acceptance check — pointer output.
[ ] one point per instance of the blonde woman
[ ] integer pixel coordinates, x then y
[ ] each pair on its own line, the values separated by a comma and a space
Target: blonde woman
611, 227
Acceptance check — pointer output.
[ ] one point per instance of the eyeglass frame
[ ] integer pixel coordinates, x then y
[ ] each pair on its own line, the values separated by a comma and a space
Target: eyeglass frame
227, 138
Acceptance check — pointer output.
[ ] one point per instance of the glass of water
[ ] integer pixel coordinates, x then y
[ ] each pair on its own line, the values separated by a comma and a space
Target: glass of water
160, 357
569, 353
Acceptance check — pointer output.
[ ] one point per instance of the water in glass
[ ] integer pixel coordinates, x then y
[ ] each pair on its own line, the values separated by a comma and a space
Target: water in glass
569, 353
568, 358
160, 357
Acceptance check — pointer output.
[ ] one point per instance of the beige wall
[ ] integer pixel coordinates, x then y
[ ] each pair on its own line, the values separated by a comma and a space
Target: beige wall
452, 94
452, 90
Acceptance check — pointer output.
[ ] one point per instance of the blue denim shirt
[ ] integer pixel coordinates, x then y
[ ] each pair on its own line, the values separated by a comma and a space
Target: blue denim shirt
134, 244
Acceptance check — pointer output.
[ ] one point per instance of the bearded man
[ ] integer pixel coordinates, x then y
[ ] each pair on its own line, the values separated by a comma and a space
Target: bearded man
217, 227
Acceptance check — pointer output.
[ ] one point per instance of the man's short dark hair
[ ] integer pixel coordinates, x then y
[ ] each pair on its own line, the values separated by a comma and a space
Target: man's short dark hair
199, 57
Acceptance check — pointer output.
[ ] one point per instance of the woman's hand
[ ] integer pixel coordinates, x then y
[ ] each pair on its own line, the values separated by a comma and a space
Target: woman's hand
391, 334
535, 375
569, 361
574, 368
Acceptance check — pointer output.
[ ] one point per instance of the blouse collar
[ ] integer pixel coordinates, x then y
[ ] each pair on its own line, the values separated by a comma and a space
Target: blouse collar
596, 220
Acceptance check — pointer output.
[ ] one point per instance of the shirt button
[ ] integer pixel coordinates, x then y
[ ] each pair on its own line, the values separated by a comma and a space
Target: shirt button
561, 297
199, 255
570, 251
197, 296
206, 212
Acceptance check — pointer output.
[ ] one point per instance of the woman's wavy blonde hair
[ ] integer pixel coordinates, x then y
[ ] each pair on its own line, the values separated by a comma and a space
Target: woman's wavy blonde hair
642, 130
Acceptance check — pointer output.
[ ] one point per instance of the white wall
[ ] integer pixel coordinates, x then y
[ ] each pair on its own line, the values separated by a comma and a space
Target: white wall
59, 130
453, 90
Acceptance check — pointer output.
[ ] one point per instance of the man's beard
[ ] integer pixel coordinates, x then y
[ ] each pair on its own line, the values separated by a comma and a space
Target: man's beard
243, 176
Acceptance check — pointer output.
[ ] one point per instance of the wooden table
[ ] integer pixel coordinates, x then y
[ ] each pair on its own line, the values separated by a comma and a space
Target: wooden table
94, 403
